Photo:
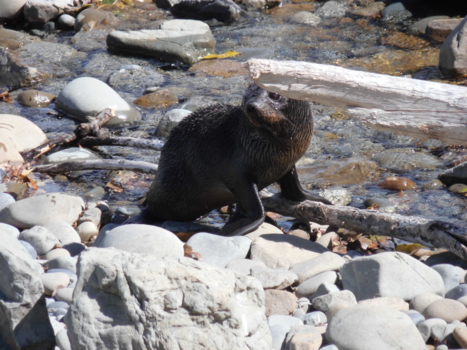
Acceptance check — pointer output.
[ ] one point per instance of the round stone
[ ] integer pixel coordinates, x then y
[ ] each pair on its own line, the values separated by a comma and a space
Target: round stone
10, 229
66, 21
87, 230
55, 253
446, 309
53, 281
421, 301
71, 154
5, 200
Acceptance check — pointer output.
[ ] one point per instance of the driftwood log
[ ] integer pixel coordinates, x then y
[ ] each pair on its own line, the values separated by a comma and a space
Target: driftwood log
430, 233
122, 141
421, 109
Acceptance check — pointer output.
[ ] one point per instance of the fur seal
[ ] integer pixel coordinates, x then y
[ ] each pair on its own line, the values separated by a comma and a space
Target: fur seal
224, 154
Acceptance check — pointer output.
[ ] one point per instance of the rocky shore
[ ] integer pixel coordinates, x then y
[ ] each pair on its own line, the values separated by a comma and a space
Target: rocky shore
72, 277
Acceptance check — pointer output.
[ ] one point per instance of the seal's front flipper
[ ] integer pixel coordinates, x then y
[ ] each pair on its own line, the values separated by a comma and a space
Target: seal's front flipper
249, 214
291, 189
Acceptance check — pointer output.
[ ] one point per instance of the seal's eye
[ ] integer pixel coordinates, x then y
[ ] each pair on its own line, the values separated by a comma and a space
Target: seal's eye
274, 96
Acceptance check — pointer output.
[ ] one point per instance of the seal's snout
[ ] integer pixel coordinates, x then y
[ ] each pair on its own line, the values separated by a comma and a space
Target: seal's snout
250, 107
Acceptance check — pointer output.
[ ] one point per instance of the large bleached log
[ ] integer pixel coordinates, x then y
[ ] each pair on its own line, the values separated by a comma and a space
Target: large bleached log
417, 108
430, 233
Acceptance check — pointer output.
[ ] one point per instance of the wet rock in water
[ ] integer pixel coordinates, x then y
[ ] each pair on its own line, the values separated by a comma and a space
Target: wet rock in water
159, 99
432, 185
254, 4
305, 17
48, 27
23, 314
440, 30
89, 96
273, 278
449, 274
406, 159
54, 281
390, 274
397, 183
456, 175
66, 21
395, 13
279, 302
219, 250
42, 11
458, 188
70, 154
225, 11
40, 210
144, 239
368, 11
40, 238
233, 300
336, 195
293, 250
222, 68
170, 120
381, 203
94, 19
421, 301
34, 98
446, 309
134, 76
327, 261
452, 55
331, 9
10, 9
23, 134
10, 44
177, 40
303, 337
87, 41
311, 285
341, 172
368, 327
394, 303
13, 73
410, 42
63, 231
420, 26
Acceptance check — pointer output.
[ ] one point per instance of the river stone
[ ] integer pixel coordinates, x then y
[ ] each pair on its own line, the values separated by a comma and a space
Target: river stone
40, 210
279, 302
315, 318
460, 334
24, 134
13, 73
440, 30
201, 306
323, 289
273, 278
425, 327
305, 17
225, 11
55, 253
310, 286
66, 21
449, 274
170, 120
303, 338
42, 11
368, 11
395, 12
263, 229
24, 320
219, 250
10, 229
89, 96
395, 303
446, 309
53, 281
62, 262
292, 250
5, 200
62, 339
326, 302
63, 231
415, 316
29, 248
99, 19
34, 98
406, 159
421, 301
455, 175
143, 239
40, 238
10, 9
182, 40
371, 327
452, 56
390, 274
420, 26
336, 195
243, 265
133, 76
332, 9
70, 154
327, 261
65, 294
87, 230
9, 153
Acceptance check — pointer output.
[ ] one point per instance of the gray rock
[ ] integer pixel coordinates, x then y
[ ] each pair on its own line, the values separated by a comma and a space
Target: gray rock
336, 195
449, 274
243, 265
177, 40
55, 253
89, 96
52, 281
323, 289
66, 21
57, 305
278, 335
273, 278
446, 309
63, 342
215, 11
70, 154
303, 337
305, 17
293, 250
90, 40
30, 249
5, 200
327, 261
325, 240
92, 18
329, 347
303, 304
395, 13
368, 327
421, 301
405, 159
91, 215
10, 229
170, 120
444, 333
311, 285
390, 274
452, 56
419, 27
288, 321
229, 305
65, 294
87, 230
455, 175
71, 275
457, 292
219, 250
48, 27
40, 238
425, 327
325, 302
42, 11
315, 318
143, 239
415, 316
11, 9
131, 77
63, 231
23, 133
40, 210
332, 9
13, 73
62, 262
23, 313
74, 248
